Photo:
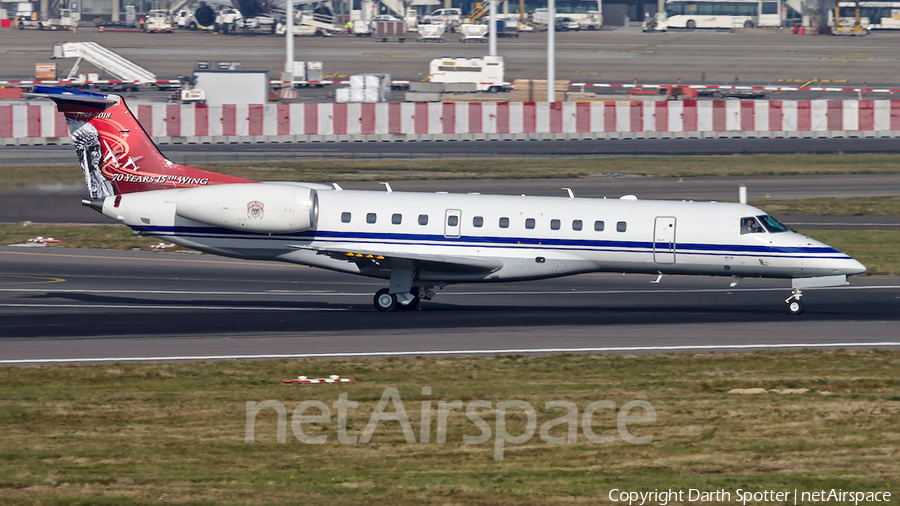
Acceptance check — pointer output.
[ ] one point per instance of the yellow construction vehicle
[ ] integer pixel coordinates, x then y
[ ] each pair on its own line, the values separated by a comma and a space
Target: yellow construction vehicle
857, 28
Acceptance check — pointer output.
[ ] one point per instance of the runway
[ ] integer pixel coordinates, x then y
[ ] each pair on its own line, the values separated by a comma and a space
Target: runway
189, 154
88, 305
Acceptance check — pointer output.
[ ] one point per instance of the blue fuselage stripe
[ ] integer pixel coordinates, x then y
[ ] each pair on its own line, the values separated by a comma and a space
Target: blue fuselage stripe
495, 242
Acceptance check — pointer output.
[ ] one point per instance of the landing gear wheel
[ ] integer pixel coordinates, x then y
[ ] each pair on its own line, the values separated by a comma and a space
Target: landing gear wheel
794, 306
413, 304
385, 301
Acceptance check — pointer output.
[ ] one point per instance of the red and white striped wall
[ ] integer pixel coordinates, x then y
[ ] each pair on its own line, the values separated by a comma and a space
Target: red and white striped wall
331, 119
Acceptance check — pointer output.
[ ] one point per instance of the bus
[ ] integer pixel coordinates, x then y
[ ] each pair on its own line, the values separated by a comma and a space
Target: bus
723, 14
872, 15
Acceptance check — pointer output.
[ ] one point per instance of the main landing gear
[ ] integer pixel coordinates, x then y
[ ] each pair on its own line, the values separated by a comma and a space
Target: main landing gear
386, 301
794, 305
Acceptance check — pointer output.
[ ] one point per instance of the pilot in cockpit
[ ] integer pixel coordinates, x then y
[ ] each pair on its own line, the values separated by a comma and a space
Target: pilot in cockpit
749, 225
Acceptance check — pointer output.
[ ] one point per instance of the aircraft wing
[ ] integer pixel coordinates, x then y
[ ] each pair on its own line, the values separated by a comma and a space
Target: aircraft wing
373, 260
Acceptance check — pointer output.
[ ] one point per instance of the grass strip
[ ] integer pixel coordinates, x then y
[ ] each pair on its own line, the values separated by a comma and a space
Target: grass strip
329, 170
118, 237
174, 433
878, 250
849, 206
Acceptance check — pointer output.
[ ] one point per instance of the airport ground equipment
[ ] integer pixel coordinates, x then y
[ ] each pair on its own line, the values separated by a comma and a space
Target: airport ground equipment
431, 33
473, 33
486, 72
385, 30
110, 62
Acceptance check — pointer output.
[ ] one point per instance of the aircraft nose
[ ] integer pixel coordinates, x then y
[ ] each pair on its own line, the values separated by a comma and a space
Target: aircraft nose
852, 267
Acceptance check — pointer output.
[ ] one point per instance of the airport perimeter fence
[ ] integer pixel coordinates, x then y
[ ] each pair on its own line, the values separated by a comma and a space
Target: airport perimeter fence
31, 124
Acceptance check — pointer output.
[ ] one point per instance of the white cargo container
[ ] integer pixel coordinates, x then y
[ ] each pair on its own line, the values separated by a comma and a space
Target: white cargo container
486, 72
314, 71
369, 88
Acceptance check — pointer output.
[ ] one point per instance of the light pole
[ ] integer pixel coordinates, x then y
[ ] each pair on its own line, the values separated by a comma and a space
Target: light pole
492, 29
289, 43
551, 50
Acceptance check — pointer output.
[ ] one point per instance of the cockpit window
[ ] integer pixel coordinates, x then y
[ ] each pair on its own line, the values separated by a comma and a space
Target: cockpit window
749, 225
771, 224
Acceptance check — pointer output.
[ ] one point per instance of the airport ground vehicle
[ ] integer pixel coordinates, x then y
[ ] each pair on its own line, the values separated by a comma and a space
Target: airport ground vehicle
450, 18
158, 21
723, 13
587, 13
872, 15
67, 20
565, 24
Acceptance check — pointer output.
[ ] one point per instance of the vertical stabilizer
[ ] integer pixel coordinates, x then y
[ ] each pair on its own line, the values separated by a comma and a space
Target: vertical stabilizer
116, 154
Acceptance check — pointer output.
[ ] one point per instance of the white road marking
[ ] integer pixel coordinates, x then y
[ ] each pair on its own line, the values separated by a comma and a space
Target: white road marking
457, 352
175, 306
511, 292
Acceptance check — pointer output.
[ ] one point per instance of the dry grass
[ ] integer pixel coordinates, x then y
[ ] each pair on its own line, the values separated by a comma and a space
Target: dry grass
878, 250
174, 433
117, 237
328, 170
854, 206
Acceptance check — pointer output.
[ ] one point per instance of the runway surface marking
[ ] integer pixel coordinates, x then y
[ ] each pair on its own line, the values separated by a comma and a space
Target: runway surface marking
511, 292
175, 307
457, 352
142, 259
31, 279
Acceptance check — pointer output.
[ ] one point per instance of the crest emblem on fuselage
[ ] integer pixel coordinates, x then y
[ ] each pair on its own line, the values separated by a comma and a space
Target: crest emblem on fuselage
255, 210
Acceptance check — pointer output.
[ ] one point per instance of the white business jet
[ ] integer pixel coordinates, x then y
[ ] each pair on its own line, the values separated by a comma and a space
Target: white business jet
422, 241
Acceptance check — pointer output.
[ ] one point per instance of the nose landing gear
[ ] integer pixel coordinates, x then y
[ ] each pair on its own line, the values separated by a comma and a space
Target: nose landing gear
794, 305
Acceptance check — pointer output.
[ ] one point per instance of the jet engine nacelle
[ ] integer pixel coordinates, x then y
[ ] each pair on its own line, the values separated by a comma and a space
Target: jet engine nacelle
252, 8
205, 15
251, 207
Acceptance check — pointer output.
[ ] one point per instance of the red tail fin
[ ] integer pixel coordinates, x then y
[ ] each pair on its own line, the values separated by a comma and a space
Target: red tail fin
116, 154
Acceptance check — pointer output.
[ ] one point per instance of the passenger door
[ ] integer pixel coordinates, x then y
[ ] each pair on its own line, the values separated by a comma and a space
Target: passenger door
451, 223
664, 240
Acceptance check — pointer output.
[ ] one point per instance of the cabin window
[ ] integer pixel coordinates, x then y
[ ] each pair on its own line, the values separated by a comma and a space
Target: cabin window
452, 221
370, 218
423, 219
772, 225
504, 222
621, 226
396, 219
529, 223
749, 225
577, 225
554, 224
478, 221
345, 217
598, 226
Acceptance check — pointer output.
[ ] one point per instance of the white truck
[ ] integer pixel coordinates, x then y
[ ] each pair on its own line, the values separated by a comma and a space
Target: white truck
67, 19
158, 21
450, 18
486, 72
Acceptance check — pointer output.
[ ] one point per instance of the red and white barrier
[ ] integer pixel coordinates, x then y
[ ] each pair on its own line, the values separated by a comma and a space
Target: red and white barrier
326, 120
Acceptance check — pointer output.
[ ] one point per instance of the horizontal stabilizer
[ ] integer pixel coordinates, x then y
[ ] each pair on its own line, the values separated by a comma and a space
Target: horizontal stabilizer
73, 97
